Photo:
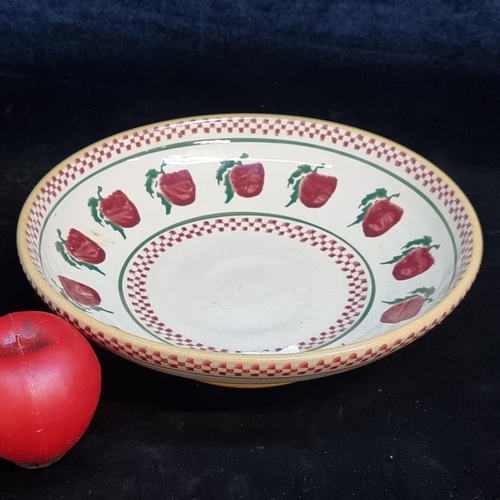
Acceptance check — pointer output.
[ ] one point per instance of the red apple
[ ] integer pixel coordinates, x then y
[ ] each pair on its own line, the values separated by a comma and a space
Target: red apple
50, 381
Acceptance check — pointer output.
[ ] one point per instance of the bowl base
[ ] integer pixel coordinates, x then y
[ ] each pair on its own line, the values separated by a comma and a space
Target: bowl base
246, 386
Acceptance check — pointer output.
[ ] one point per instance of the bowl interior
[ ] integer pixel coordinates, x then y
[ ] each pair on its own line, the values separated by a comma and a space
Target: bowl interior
249, 234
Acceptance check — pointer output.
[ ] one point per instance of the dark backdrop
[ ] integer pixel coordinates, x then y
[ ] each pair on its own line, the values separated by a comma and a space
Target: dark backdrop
421, 424
441, 33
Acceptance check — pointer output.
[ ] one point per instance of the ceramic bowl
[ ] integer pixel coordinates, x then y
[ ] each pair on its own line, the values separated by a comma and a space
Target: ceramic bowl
249, 250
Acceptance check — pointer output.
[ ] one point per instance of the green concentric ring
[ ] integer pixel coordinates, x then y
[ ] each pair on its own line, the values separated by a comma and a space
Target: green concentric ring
139, 247
273, 141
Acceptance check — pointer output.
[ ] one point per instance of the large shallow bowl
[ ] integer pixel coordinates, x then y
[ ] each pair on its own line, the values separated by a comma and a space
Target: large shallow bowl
249, 250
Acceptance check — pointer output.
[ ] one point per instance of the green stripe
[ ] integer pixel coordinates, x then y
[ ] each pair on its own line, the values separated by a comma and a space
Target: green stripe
273, 141
245, 214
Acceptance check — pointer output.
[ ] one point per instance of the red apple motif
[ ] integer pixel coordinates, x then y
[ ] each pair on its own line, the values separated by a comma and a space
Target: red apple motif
116, 210
407, 307
311, 188
379, 213
243, 179
172, 188
78, 250
415, 259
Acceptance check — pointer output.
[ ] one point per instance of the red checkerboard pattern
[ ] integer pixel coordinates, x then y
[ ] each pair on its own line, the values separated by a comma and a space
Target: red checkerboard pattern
284, 128
137, 275
243, 372
405, 163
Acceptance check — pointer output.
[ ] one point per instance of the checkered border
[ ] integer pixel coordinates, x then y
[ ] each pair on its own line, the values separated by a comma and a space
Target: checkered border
275, 127
240, 373
271, 127
136, 280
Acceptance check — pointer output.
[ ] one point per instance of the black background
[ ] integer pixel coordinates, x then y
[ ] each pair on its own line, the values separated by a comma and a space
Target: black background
424, 422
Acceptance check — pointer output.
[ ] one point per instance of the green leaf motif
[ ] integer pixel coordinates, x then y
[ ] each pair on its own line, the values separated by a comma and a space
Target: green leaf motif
165, 203
396, 258
93, 203
224, 167
360, 216
228, 189
302, 170
151, 181
421, 242
98, 216
76, 304
295, 193
90, 267
101, 309
418, 292
293, 177
426, 241
70, 259
61, 250
368, 201
305, 169
152, 186
424, 292
318, 167
375, 196
222, 175
115, 228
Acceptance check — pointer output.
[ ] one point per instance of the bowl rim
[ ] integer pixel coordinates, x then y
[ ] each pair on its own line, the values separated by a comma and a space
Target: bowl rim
416, 327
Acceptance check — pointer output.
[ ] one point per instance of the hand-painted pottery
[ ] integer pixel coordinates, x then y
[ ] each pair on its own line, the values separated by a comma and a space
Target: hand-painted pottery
249, 250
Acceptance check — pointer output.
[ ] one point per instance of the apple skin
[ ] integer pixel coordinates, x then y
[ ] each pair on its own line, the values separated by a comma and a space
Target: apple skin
50, 382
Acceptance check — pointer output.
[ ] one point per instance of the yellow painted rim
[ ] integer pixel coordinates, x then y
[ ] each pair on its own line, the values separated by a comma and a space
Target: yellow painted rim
425, 321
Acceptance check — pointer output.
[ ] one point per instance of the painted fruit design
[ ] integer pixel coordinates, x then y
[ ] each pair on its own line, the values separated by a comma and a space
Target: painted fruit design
78, 250
81, 294
311, 188
245, 180
172, 188
378, 213
415, 259
116, 210
405, 308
